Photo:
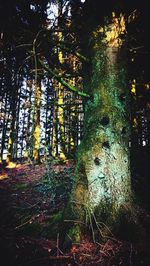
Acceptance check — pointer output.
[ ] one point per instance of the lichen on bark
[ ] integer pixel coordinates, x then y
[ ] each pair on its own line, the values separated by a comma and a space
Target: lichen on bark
103, 165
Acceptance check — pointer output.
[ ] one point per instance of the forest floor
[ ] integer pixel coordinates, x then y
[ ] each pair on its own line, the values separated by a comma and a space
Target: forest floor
30, 198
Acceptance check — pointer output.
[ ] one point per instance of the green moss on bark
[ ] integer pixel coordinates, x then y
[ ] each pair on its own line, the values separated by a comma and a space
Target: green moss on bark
104, 186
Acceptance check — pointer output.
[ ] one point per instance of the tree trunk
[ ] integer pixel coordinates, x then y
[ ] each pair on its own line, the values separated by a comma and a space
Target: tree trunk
11, 139
37, 128
102, 187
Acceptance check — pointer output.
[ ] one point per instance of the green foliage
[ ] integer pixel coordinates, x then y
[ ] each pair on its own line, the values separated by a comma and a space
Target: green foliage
74, 233
34, 229
56, 185
21, 186
54, 224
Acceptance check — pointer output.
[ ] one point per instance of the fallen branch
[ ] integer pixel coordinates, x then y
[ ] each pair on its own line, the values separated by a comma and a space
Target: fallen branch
60, 258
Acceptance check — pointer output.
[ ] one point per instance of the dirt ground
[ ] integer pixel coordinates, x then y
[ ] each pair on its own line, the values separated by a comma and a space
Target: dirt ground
29, 201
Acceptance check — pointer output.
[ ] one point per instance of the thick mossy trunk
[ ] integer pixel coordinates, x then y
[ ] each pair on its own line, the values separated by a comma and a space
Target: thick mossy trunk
102, 189
105, 148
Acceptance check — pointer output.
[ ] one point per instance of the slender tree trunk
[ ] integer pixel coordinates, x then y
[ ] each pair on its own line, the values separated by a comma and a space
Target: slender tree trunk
61, 99
12, 126
37, 128
5, 118
55, 124
17, 122
28, 152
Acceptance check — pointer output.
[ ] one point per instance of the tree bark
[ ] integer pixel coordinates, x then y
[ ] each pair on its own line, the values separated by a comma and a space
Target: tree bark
102, 188
37, 128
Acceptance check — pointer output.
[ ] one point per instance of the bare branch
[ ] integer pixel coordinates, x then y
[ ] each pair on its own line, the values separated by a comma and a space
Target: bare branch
62, 81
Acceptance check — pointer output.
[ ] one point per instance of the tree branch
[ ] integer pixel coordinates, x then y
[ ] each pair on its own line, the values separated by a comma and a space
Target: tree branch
62, 81
80, 56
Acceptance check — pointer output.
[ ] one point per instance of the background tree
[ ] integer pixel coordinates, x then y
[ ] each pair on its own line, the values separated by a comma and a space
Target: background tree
20, 23
41, 38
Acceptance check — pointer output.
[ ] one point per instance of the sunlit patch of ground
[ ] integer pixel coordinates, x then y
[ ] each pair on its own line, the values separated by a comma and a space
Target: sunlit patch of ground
3, 175
11, 165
